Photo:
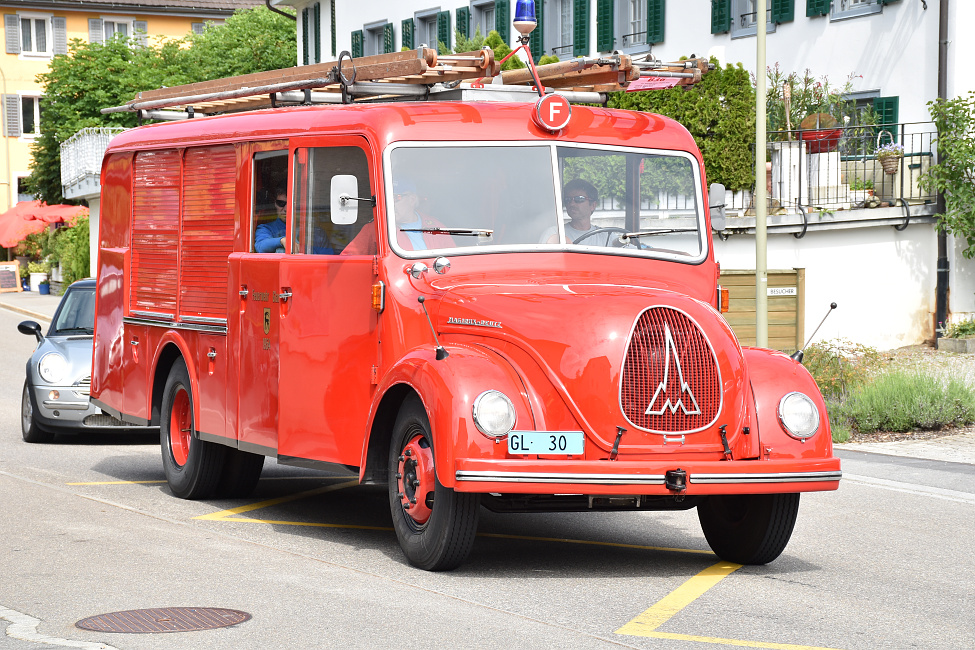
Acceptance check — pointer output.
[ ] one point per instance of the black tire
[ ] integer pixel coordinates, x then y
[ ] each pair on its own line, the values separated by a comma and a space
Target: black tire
436, 530
29, 427
748, 528
193, 466
241, 472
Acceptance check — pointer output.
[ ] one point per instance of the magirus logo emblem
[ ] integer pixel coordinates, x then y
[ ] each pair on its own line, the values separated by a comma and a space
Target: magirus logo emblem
672, 392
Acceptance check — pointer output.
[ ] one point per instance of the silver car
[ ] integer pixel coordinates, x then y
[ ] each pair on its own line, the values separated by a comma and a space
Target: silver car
55, 398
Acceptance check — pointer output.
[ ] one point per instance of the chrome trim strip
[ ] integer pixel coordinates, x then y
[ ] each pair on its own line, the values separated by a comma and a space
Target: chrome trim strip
538, 477
784, 477
67, 406
211, 329
203, 320
153, 314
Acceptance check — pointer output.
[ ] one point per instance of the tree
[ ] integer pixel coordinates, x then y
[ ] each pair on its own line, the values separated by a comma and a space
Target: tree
95, 75
954, 174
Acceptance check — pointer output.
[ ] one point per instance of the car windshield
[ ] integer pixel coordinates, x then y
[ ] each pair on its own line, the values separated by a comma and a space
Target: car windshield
485, 197
76, 314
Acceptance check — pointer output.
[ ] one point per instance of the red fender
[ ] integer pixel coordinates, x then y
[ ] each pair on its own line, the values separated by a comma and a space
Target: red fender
447, 389
773, 375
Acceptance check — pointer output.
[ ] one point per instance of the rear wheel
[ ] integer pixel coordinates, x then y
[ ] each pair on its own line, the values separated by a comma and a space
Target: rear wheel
193, 466
241, 471
749, 528
31, 431
435, 525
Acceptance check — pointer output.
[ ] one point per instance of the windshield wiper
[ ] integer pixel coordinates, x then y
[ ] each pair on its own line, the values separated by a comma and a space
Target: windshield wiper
470, 232
84, 330
650, 233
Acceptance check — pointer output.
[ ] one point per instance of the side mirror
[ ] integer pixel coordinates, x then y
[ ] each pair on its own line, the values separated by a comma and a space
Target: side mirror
31, 328
716, 203
345, 199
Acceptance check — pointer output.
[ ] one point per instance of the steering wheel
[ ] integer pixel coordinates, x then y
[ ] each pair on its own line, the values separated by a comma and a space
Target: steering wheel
614, 242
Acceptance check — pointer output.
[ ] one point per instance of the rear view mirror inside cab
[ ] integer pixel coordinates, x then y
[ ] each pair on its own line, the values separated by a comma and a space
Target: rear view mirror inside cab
345, 199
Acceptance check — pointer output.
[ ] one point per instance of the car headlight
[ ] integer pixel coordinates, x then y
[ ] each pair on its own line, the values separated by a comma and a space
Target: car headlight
52, 367
494, 414
798, 415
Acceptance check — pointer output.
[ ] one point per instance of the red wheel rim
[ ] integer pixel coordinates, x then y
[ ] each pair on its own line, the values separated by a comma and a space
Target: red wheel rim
415, 479
180, 425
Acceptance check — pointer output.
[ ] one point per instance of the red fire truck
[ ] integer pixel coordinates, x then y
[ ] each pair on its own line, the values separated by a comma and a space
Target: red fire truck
471, 302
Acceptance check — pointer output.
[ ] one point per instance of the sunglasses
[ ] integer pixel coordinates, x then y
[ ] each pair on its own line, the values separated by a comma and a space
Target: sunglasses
280, 203
580, 198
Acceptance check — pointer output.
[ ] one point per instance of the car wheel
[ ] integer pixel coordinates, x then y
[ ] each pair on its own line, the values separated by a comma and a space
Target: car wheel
748, 528
193, 466
31, 430
435, 525
241, 472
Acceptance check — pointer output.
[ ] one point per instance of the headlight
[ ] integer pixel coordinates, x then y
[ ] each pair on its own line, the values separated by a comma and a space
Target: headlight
52, 367
494, 414
798, 415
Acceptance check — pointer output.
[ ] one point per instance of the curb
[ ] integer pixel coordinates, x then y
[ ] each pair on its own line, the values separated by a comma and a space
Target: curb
26, 312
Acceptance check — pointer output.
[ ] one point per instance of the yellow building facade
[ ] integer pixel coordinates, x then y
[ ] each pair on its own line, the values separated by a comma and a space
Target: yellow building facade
36, 31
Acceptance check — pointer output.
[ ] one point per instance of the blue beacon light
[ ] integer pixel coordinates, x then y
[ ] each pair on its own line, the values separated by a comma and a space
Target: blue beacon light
525, 21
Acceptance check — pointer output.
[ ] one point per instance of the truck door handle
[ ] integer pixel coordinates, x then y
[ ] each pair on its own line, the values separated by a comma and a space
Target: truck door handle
284, 295
243, 291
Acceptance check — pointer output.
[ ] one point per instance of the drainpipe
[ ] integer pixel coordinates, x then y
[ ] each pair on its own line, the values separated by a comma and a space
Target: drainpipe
941, 290
267, 3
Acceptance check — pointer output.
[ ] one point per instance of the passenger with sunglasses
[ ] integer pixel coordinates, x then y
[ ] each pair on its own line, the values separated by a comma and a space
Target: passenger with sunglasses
579, 198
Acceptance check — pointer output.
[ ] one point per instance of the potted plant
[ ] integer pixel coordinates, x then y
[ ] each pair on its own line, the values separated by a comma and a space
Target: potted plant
44, 287
860, 189
958, 337
890, 156
38, 273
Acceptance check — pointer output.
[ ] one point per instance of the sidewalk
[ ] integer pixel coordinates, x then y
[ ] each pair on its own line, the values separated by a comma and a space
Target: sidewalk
31, 304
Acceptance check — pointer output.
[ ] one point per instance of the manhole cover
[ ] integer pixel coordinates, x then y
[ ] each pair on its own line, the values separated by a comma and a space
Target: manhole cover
164, 619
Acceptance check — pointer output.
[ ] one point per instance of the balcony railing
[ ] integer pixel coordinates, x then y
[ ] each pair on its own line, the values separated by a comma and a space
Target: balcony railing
81, 160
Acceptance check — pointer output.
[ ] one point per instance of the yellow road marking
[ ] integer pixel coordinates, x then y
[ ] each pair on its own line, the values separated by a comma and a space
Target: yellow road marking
225, 514
592, 543
678, 599
734, 642
271, 478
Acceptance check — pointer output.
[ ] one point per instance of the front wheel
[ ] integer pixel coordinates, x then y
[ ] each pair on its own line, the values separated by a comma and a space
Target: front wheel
193, 466
31, 431
435, 525
748, 528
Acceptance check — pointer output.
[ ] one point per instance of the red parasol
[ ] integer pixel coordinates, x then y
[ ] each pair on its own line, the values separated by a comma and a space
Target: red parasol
28, 217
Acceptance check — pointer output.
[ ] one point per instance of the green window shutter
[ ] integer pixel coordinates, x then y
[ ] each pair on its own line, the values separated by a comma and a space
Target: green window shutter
357, 43
604, 25
535, 38
388, 44
656, 13
783, 11
334, 47
305, 37
443, 29
580, 28
316, 50
887, 116
887, 2
502, 19
720, 16
462, 16
817, 8
407, 31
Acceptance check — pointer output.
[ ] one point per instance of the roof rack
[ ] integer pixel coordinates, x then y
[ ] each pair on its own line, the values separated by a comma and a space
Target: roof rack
420, 73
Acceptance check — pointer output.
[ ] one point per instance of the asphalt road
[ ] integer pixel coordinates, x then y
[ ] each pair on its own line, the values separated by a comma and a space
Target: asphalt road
88, 527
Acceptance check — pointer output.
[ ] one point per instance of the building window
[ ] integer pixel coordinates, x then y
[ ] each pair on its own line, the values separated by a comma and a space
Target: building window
744, 18
33, 36
30, 116
853, 8
483, 16
632, 27
197, 27
378, 38
558, 28
22, 193
102, 29
426, 28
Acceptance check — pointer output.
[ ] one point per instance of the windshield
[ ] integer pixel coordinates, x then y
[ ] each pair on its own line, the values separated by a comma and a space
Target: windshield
76, 314
473, 198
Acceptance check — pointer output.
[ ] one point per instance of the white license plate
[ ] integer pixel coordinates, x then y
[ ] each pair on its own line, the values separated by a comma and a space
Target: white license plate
547, 443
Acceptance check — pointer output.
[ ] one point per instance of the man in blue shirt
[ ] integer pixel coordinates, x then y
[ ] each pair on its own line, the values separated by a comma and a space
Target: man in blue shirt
269, 237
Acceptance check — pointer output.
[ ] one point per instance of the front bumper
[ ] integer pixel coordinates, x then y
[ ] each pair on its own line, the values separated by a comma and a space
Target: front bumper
647, 477
71, 410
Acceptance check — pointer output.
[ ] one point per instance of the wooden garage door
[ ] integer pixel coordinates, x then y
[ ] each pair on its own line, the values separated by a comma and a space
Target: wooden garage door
785, 307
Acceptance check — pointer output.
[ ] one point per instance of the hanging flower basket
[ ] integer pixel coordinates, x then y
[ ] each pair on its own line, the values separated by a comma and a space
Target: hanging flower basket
889, 154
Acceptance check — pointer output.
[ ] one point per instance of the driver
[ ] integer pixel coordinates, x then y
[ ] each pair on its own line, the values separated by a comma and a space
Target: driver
579, 198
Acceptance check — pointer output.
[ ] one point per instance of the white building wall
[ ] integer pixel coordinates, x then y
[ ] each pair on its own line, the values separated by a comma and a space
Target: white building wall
882, 280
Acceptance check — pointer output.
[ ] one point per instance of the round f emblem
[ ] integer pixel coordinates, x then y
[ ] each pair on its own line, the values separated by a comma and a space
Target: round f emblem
267, 320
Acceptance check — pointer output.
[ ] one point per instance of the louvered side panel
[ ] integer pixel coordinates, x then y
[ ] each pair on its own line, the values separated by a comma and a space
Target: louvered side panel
155, 228
208, 230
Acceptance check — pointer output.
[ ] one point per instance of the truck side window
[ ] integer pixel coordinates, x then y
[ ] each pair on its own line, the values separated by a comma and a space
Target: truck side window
315, 233
270, 201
